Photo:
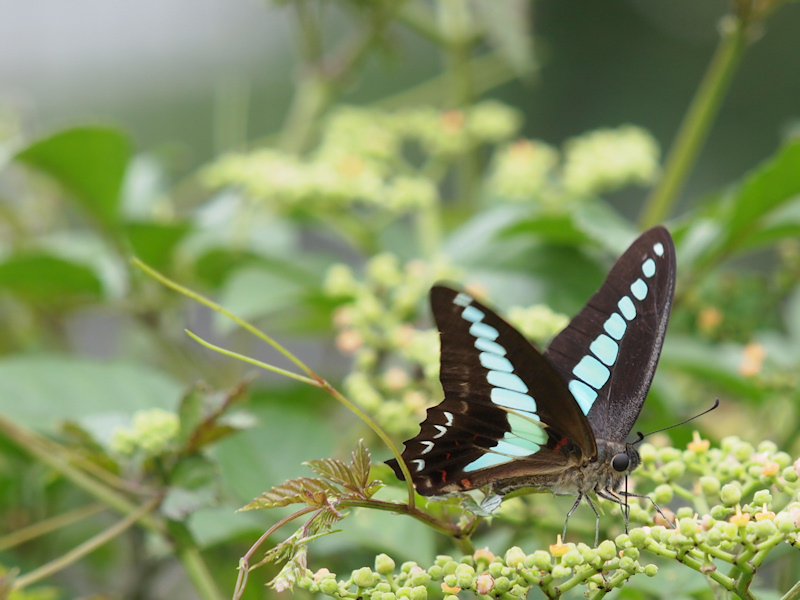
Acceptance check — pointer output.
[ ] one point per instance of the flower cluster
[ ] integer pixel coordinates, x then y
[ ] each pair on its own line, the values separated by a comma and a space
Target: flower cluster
752, 505
396, 363
600, 161
152, 432
361, 160
510, 576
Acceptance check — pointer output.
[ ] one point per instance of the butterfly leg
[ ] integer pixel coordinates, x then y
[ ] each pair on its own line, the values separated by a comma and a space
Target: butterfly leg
657, 507
613, 497
569, 514
596, 519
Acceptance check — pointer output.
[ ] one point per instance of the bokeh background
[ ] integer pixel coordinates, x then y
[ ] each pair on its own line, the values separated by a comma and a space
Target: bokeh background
94, 363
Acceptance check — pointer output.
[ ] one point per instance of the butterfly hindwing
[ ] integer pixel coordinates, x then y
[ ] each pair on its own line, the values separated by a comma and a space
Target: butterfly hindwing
506, 412
608, 353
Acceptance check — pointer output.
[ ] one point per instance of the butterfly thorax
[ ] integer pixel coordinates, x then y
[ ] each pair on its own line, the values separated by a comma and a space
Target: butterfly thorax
607, 471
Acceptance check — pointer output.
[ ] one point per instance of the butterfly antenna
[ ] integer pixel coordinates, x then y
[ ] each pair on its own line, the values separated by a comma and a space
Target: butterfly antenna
642, 436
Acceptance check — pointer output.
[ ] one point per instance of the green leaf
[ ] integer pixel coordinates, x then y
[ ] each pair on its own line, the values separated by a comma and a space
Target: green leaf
253, 293
193, 485
46, 279
293, 427
713, 365
335, 471
774, 182
556, 229
39, 391
203, 419
306, 490
154, 243
89, 162
361, 464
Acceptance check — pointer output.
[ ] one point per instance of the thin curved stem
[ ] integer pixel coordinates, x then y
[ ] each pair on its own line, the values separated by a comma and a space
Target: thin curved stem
697, 123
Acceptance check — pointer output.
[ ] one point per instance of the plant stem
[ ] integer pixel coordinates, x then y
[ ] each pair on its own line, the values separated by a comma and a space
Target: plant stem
697, 122
49, 525
86, 547
56, 460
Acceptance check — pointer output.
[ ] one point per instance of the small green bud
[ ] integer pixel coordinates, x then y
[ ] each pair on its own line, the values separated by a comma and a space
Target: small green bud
572, 559
450, 567
329, 586
418, 592
515, 557
729, 443
496, 569
403, 592
607, 550
684, 512
436, 572
657, 532
743, 451
631, 553
674, 469
688, 527
663, 494
451, 580
628, 564
389, 596
450, 597
364, 577
589, 554
764, 528
767, 447
542, 560
785, 522
622, 540
442, 559
710, 485
762, 497
714, 536
669, 454
648, 454
383, 586
465, 576
719, 512
730, 494
789, 474
384, 564
730, 531
418, 578
502, 584
407, 566
638, 537
560, 571
651, 570
782, 458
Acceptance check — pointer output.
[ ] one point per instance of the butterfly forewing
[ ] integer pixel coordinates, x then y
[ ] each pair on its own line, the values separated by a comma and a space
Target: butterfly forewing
506, 412
608, 354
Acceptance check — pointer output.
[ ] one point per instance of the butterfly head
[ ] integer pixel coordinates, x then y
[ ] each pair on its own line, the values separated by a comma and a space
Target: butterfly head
626, 462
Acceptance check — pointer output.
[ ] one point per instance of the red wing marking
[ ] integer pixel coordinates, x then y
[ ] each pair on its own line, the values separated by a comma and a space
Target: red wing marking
560, 444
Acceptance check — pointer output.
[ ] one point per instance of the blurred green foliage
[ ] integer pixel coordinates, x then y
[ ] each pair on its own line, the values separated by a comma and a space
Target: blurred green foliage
330, 235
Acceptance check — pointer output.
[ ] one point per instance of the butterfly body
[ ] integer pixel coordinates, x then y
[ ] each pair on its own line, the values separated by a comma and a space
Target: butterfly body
514, 418
588, 477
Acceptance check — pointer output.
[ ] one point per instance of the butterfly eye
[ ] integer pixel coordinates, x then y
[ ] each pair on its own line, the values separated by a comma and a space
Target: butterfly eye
620, 462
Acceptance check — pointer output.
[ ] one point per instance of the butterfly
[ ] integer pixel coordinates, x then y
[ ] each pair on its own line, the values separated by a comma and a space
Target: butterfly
514, 418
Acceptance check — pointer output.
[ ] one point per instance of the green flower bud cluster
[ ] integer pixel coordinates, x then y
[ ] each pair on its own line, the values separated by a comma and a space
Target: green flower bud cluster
747, 521
566, 566
600, 161
360, 162
152, 433
538, 323
396, 365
